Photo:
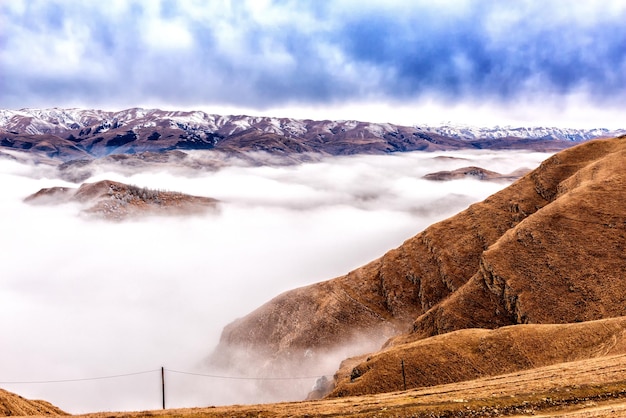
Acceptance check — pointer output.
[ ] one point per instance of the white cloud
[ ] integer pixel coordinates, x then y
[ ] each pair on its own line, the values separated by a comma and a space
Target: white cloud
160, 34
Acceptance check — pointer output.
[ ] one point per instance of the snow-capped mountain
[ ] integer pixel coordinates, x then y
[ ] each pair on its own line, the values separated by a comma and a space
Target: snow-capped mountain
563, 134
78, 133
56, 121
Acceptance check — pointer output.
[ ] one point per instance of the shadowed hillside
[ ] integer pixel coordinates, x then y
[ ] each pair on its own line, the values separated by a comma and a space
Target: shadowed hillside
547, 249
14, 405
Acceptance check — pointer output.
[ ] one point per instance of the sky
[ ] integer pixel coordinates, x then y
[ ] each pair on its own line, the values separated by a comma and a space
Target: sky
83, 299
478, 62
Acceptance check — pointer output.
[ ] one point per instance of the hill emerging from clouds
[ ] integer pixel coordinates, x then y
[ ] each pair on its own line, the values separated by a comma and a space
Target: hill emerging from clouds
75, 134
117, 201
548, 249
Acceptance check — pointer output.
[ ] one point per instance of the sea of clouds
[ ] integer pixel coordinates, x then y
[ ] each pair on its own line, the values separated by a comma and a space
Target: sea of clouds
84, 299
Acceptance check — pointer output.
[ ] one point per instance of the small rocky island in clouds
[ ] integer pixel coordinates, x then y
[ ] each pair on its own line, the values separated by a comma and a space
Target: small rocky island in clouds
116, 201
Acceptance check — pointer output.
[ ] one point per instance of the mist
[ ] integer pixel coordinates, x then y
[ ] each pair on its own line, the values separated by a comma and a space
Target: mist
83, 299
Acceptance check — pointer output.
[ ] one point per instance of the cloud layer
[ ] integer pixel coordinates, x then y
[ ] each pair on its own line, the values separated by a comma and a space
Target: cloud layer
279, 54
87, 299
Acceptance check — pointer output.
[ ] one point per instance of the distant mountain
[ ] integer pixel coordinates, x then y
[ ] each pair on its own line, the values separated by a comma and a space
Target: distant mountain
68, 134
549, 249
470, 133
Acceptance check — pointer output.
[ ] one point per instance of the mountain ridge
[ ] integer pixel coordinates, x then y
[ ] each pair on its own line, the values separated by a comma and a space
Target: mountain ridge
69, 134
59, 120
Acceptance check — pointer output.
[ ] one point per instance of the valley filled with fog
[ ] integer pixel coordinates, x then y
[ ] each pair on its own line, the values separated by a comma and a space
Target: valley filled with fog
85, 299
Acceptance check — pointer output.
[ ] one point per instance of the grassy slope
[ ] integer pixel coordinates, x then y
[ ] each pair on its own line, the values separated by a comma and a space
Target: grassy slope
597, 384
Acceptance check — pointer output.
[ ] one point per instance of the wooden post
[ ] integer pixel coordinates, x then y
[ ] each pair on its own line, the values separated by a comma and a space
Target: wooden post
403, 375
163, 385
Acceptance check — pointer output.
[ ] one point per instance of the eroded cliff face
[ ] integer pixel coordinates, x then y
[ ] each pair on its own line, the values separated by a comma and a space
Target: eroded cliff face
564, 263
547, 249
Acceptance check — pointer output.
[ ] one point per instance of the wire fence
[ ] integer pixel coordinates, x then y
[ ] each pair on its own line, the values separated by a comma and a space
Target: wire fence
83, 379
162, 371
116, 376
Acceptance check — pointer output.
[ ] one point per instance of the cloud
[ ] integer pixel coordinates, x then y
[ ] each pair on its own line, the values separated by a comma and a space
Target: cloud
88, 299
268, 54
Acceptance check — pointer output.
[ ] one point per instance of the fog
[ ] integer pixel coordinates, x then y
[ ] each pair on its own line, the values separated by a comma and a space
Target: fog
84, 299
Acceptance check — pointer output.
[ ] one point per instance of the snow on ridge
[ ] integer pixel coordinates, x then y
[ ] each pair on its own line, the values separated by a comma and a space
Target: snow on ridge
59, 120
497, 132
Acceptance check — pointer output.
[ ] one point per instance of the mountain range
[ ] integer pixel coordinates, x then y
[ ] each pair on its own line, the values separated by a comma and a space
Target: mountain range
71, 134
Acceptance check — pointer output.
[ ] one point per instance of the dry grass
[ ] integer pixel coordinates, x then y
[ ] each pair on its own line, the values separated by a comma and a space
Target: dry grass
12, 404
596, 386
474, 353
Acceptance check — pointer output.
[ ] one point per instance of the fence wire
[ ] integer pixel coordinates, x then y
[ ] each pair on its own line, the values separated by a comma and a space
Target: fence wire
117, 376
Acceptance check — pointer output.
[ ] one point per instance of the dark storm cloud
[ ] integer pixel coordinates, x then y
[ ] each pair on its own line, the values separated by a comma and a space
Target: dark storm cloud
462, 54
264, 54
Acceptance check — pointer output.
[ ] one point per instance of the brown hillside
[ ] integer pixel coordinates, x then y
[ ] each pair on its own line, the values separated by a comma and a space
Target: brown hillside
565, 263
112, 200
475, 353
549, 248
14, 405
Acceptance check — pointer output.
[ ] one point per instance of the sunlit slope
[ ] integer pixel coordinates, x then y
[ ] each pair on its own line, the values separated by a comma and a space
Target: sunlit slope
14, 405
475, 353
549, 248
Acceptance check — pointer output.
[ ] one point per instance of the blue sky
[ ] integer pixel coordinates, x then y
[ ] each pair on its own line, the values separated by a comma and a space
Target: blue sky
558, 62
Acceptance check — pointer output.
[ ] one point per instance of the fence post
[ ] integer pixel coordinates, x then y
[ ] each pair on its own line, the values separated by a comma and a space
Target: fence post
163, 385
403, 374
